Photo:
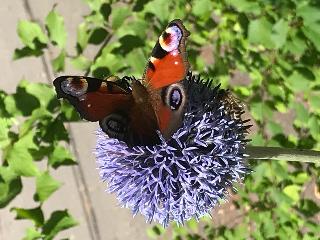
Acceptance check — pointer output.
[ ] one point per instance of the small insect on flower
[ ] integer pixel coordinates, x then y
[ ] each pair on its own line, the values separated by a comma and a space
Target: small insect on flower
169, 146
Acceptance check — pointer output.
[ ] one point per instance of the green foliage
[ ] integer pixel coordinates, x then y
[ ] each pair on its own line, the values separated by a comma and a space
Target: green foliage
275, 44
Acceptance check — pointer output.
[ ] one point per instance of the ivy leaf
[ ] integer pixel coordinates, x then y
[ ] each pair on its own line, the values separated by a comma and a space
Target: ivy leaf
21, 102
296, 45
302, 115
5, 125
43, 92
30, 33
32, 234
158, 6
293, 192
201, 9
260, 111
245, 6
34, 214
279, 33
10, 185
83, 35
20, 159
298, 82
97, 36
45, 186
314, 126
58, 63
94, 4
26, 52
309, 208
56, 28
58, 221
105, 11
118, 16
81, 63
61, 157
311, 23
260, 31
314, 100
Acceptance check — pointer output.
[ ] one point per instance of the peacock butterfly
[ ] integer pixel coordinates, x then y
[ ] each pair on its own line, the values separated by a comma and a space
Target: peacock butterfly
132, 110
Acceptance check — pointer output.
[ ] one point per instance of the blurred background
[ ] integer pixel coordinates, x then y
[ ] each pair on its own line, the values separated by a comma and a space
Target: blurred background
267, 52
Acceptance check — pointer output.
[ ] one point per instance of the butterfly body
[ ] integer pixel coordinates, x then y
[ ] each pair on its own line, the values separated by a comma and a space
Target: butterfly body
134, 110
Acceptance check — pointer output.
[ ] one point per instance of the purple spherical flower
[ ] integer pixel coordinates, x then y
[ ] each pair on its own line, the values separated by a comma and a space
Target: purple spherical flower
184, 176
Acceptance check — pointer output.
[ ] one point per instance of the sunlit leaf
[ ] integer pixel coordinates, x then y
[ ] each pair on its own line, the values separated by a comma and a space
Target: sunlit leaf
56, 28
58, 221
46, 185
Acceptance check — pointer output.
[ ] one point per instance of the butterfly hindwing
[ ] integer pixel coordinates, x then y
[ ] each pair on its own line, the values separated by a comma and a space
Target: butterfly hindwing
93, 98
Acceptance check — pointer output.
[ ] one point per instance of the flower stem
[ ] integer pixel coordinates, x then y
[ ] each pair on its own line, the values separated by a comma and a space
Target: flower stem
283, 154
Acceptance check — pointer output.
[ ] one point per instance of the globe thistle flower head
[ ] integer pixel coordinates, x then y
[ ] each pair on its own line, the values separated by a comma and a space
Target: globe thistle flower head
186, 175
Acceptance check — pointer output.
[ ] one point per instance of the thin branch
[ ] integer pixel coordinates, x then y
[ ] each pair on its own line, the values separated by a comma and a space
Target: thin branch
283, 154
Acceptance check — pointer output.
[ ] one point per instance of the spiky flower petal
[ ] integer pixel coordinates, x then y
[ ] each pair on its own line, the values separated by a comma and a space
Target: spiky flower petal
187, 175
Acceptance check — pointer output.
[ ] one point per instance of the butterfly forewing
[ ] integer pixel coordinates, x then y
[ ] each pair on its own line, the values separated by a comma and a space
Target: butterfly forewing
93, 98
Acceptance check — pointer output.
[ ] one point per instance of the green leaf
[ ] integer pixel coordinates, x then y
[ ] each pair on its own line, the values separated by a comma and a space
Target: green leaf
105, 11
94, 4
260, 111
314, 101
202, 9
58, 221
118, 16
293, 192
10, 185
21, 102
30, 33
56, 28
32, 234
311, 23
26, 52
45, 186
81, 63
276, 90
37, 115
245, 6
34, 214
58, 63
20, 159
296, 45
300, 178
43, 92
155, 231
302, 115
260, 32
61, 157
274, 128
5, 125
158, 6
279, 33
313, 33
97, 36
83, 35
298, 82
314, 126
309, 208
108, 61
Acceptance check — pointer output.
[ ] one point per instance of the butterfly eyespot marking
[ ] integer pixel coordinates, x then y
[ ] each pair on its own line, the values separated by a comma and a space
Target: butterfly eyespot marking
175, 97
115, 125
74, 86
170, 38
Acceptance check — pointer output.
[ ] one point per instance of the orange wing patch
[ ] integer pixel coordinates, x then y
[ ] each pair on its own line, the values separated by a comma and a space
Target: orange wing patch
168, 62
166, 71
